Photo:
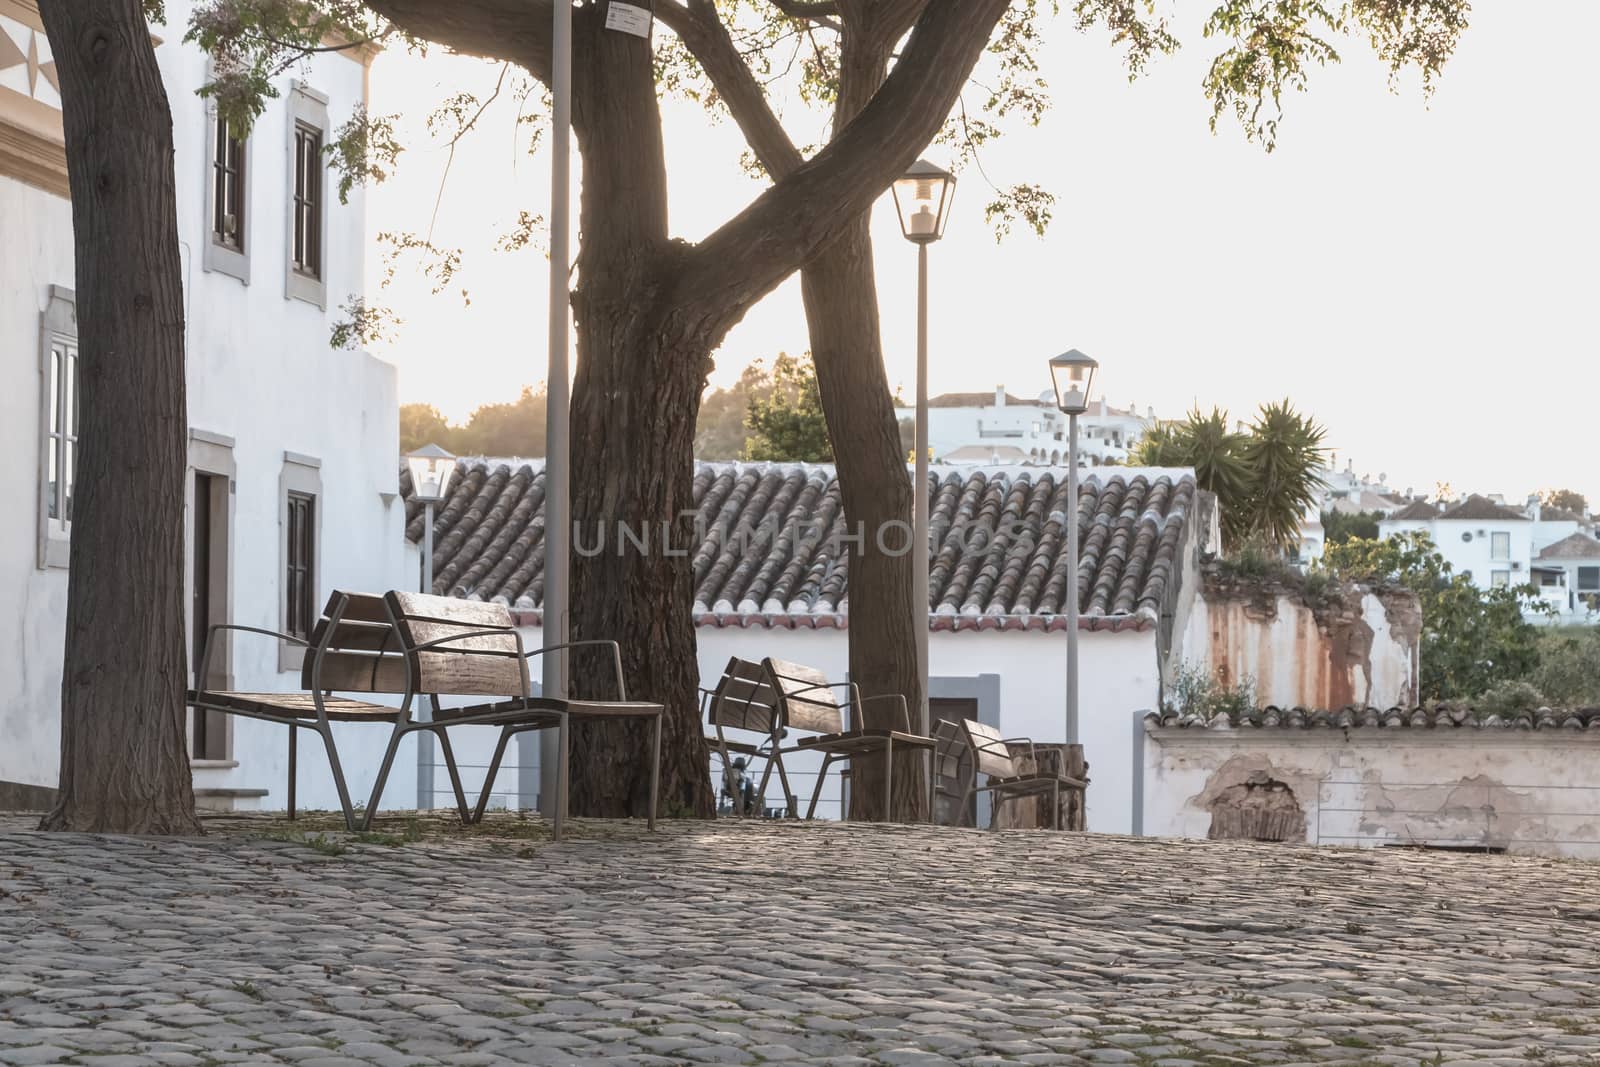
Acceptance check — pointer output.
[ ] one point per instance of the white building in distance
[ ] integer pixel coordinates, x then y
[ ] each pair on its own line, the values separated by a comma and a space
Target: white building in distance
998, 428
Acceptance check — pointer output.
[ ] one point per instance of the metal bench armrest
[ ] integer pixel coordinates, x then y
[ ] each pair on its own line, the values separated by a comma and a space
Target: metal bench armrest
211, 637
616, 658
905, 716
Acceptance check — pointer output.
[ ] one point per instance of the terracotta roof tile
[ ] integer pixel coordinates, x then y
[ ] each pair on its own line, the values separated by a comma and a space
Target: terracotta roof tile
772, 549
1480, 507
1442, 716
1415, 511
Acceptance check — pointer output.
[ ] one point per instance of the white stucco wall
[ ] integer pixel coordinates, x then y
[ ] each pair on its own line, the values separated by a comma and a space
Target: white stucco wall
1526, 791
1119, 677
36, 230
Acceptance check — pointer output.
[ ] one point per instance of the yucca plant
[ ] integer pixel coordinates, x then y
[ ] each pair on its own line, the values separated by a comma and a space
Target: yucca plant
1205, 443
1284, 456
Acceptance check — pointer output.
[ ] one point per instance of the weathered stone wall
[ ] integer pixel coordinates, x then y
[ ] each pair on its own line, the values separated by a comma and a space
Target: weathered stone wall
1522, 791
1341, 645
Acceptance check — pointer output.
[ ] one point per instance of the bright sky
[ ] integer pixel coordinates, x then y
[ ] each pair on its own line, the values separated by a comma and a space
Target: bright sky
1421, 277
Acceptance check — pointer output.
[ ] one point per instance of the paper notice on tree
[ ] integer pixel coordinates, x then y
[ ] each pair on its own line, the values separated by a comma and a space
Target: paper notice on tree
628, 18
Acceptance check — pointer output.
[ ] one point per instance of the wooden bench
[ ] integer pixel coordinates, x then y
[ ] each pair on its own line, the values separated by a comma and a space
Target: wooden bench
991, 755
415, 647
805, 702
744, 701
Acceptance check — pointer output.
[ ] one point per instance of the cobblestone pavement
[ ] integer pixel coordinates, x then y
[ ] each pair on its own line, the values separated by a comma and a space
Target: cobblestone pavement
753, 942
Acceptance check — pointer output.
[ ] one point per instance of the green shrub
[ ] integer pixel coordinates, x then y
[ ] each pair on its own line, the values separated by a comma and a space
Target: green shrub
1509, 698
1569, 666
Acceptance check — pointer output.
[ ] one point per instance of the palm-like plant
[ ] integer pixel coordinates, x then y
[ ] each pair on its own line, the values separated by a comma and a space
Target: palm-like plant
1284, 456
1264, 480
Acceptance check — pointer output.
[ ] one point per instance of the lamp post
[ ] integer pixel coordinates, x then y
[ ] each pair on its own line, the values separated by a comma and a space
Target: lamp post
922, 199
1072, 373
431, 468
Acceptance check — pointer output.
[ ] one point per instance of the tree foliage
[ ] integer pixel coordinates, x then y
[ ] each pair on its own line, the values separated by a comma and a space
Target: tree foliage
1566, 499
1472, 639
1341, 526
1265, 477
786, 422
1568, 673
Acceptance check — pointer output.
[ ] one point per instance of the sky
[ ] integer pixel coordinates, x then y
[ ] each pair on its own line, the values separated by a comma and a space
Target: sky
1422, 276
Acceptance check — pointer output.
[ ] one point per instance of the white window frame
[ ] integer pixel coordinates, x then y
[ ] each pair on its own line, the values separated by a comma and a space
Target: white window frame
1496, 539
1499, 579
307, 107
217, 257
58, 330
301, 474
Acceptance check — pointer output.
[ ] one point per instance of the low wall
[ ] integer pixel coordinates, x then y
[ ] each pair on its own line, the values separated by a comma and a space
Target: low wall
1523, 791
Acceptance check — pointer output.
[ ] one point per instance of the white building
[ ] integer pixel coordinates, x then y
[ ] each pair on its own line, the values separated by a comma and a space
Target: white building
1489, 542
1568, 576
292, 445
990, 429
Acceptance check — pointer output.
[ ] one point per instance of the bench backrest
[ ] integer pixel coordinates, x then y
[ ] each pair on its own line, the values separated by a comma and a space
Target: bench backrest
991, 756
744, 699
465, 660
804, 699
360, 653
949, 754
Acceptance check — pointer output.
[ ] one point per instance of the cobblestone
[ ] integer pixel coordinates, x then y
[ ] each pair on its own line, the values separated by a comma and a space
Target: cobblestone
758, 942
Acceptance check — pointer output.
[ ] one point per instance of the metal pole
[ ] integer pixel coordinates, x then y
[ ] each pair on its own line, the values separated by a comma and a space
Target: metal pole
557, 464
919, 518
1072, 579
424, 738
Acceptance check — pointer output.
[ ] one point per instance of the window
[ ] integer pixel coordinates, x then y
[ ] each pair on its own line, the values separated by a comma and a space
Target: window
299, 558
1589, 579
58, 426
306, 265
227, 187
307, 248
300, 572
1499, 579
227, 200
1500, 545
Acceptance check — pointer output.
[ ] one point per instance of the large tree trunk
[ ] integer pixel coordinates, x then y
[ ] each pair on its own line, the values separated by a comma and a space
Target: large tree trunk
841, 301
123, 762
636, 395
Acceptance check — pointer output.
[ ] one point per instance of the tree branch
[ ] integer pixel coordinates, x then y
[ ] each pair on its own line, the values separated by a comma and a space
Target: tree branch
823, 11
513, 31
702, 31
788, 224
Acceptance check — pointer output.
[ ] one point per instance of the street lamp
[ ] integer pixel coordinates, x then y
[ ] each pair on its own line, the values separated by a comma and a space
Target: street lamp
1072, 373
431, 468
922, 199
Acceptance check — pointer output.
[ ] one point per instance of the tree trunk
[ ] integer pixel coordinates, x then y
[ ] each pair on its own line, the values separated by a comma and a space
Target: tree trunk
841, 301
636, 395
124, 767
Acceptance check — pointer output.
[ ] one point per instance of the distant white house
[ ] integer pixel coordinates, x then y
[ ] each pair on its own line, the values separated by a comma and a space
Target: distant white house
292, 486
1490, 543
997, 428
1568, 576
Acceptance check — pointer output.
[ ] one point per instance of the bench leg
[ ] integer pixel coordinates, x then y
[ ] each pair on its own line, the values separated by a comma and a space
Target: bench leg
789, 802
338, 776
494, 769
1055, 805
655, 770
888, 781
816, 793
563, 746
383, 775
294, 759
455, 775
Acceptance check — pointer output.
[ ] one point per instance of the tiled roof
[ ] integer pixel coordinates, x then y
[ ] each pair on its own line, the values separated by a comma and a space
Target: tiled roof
1416, 511
986, 454
978, 400
1442, 717
1000, 561
1480, 507
1551, 513
1573, 546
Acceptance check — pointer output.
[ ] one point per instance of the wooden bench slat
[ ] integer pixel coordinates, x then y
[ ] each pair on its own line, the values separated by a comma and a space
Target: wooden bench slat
804, 699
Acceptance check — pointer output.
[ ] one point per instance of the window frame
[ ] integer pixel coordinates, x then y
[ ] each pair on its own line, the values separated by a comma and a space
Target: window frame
307, 112
218, 257
301, 477
58, 325
1500, 579
1497, 538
